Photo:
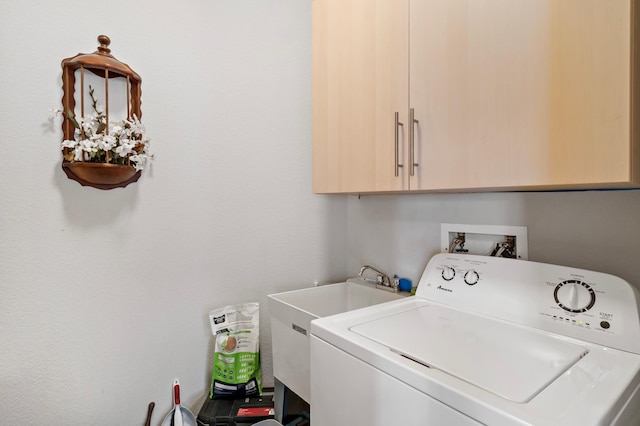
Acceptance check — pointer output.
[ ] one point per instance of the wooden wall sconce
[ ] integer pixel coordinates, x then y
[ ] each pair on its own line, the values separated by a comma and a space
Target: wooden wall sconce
103, 140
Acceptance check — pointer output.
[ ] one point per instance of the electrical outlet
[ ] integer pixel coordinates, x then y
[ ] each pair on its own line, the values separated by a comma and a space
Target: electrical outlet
485, 240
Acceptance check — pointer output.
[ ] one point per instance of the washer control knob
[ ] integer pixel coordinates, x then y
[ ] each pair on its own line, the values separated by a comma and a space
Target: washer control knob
448, 273
471, 277
574, 296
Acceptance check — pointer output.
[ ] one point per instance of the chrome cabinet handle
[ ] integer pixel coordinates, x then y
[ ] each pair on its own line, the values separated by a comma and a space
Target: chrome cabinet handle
398, 165
412, 133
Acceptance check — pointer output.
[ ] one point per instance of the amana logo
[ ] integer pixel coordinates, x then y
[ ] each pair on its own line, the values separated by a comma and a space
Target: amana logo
445, 289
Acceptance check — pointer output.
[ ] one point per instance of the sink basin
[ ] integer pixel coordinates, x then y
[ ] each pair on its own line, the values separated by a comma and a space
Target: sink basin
291, 316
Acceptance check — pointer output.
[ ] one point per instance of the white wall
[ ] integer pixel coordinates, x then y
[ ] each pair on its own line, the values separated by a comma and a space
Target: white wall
104, 295
597, 230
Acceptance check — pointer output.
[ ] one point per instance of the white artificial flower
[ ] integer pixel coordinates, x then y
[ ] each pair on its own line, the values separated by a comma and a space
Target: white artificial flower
125, 147
55, 112
89, 146
125, 137
139, 161
107, 142
137, 128
77, 153
87, 126
116, 129
69, 143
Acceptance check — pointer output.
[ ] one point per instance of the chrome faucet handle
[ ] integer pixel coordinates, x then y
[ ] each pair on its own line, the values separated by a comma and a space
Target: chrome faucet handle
381, 278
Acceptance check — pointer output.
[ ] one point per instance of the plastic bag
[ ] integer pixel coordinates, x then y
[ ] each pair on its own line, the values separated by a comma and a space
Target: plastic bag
236, 358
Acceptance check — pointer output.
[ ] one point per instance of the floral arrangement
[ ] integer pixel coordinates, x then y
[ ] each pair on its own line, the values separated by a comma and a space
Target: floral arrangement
123, 142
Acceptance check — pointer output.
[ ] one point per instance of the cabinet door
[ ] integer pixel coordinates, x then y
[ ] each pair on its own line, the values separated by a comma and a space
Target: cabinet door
360, 80
521, 93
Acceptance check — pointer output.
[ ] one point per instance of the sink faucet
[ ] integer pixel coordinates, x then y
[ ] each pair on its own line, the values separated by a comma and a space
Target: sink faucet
381, 278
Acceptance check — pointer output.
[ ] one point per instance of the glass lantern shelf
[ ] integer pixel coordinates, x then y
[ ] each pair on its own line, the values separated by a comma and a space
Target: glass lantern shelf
88, 117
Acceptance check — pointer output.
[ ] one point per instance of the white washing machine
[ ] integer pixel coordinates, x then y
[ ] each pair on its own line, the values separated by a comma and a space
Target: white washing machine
485, 341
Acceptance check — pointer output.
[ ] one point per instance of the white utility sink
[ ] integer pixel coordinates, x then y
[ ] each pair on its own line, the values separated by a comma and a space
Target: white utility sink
291, 316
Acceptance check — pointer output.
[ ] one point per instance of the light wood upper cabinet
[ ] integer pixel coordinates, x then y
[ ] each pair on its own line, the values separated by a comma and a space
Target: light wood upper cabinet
360, 79
526, 93
523, 94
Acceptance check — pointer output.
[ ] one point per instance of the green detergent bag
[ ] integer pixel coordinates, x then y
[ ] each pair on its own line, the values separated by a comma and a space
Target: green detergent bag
236, 356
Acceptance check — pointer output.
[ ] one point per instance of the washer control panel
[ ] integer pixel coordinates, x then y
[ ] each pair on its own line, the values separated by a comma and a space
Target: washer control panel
574, 296
448, 273
471, 277
587, 305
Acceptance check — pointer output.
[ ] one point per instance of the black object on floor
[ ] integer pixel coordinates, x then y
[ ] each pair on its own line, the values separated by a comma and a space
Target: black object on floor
302, 420
237, 412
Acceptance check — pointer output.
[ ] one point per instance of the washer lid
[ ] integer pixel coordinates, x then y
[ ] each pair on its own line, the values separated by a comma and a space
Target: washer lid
510, 361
